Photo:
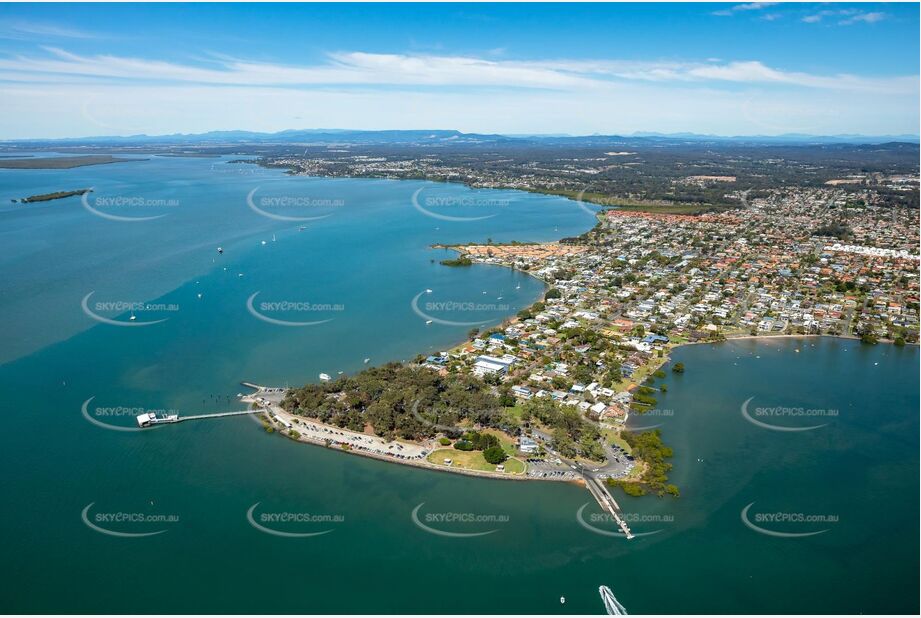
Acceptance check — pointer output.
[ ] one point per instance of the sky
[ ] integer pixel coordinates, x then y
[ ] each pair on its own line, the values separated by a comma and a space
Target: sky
761, 68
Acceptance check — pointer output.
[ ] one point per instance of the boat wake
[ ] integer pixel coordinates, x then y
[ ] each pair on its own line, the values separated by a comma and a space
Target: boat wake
611, 604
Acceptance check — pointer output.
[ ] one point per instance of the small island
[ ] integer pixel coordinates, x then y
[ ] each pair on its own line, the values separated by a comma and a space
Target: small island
47, 197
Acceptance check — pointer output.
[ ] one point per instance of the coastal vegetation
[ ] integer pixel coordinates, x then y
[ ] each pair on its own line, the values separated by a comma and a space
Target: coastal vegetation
396, 400
458, 261
649, 449
414, 403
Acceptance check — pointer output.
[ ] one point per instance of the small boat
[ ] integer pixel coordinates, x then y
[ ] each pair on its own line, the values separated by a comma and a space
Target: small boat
220, 250
428, 291
325, 377
199, 294
562, 600
132, 317
428, 321
301, 228
366, 361
263, 242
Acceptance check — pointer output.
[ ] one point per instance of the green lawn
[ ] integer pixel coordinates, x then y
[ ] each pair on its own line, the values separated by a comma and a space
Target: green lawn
613, 437
473, 460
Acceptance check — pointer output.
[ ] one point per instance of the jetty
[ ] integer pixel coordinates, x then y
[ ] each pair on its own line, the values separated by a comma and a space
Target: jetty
607, 502
150, 419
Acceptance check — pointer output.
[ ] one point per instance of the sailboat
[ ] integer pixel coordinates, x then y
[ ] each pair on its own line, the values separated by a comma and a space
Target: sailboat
132, 317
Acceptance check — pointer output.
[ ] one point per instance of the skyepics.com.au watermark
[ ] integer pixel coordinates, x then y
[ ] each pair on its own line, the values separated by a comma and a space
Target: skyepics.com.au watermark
787, 524
131, 201
297, 201
453, 305
639, 524
655, 413
778, 418
292, 524
292, 312
126, 524
293, 208
631, 518
465, 201
116, 417
140, 313
128, 208
456, 312
457, 524
438, 203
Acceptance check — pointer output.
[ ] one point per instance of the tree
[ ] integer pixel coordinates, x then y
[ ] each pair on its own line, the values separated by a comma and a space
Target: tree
494, 455
678, 368
553, 293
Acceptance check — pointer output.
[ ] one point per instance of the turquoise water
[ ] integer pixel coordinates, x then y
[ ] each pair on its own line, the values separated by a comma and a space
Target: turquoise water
367, 261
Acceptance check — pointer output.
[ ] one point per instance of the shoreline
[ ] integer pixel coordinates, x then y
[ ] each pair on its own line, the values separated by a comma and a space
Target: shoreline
279, 428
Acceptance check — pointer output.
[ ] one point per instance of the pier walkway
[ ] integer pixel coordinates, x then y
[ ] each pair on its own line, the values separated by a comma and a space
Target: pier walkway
198, 417
607, 502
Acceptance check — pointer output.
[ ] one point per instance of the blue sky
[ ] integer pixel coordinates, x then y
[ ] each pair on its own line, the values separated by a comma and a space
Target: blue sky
734, 68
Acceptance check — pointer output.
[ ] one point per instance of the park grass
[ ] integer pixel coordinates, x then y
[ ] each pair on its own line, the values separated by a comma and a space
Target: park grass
473, 460
613, 437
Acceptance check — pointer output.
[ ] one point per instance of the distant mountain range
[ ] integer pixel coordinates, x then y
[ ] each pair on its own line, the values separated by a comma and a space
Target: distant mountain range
451, 137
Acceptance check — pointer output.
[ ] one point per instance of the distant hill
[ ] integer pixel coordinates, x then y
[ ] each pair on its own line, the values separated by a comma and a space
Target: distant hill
456, 138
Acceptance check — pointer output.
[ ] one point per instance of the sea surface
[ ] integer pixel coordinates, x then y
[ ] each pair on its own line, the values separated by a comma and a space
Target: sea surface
186, 518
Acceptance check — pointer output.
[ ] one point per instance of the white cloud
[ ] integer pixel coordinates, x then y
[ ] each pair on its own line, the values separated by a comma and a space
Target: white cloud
849, 17
59, 93
751, 6
869, 18
25, 30
388, 70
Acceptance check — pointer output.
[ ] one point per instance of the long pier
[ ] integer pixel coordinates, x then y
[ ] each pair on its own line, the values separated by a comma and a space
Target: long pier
150, 420
607, 502
198, 417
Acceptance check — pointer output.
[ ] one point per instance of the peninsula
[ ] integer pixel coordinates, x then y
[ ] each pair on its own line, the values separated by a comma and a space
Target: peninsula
61, 163
547, 393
